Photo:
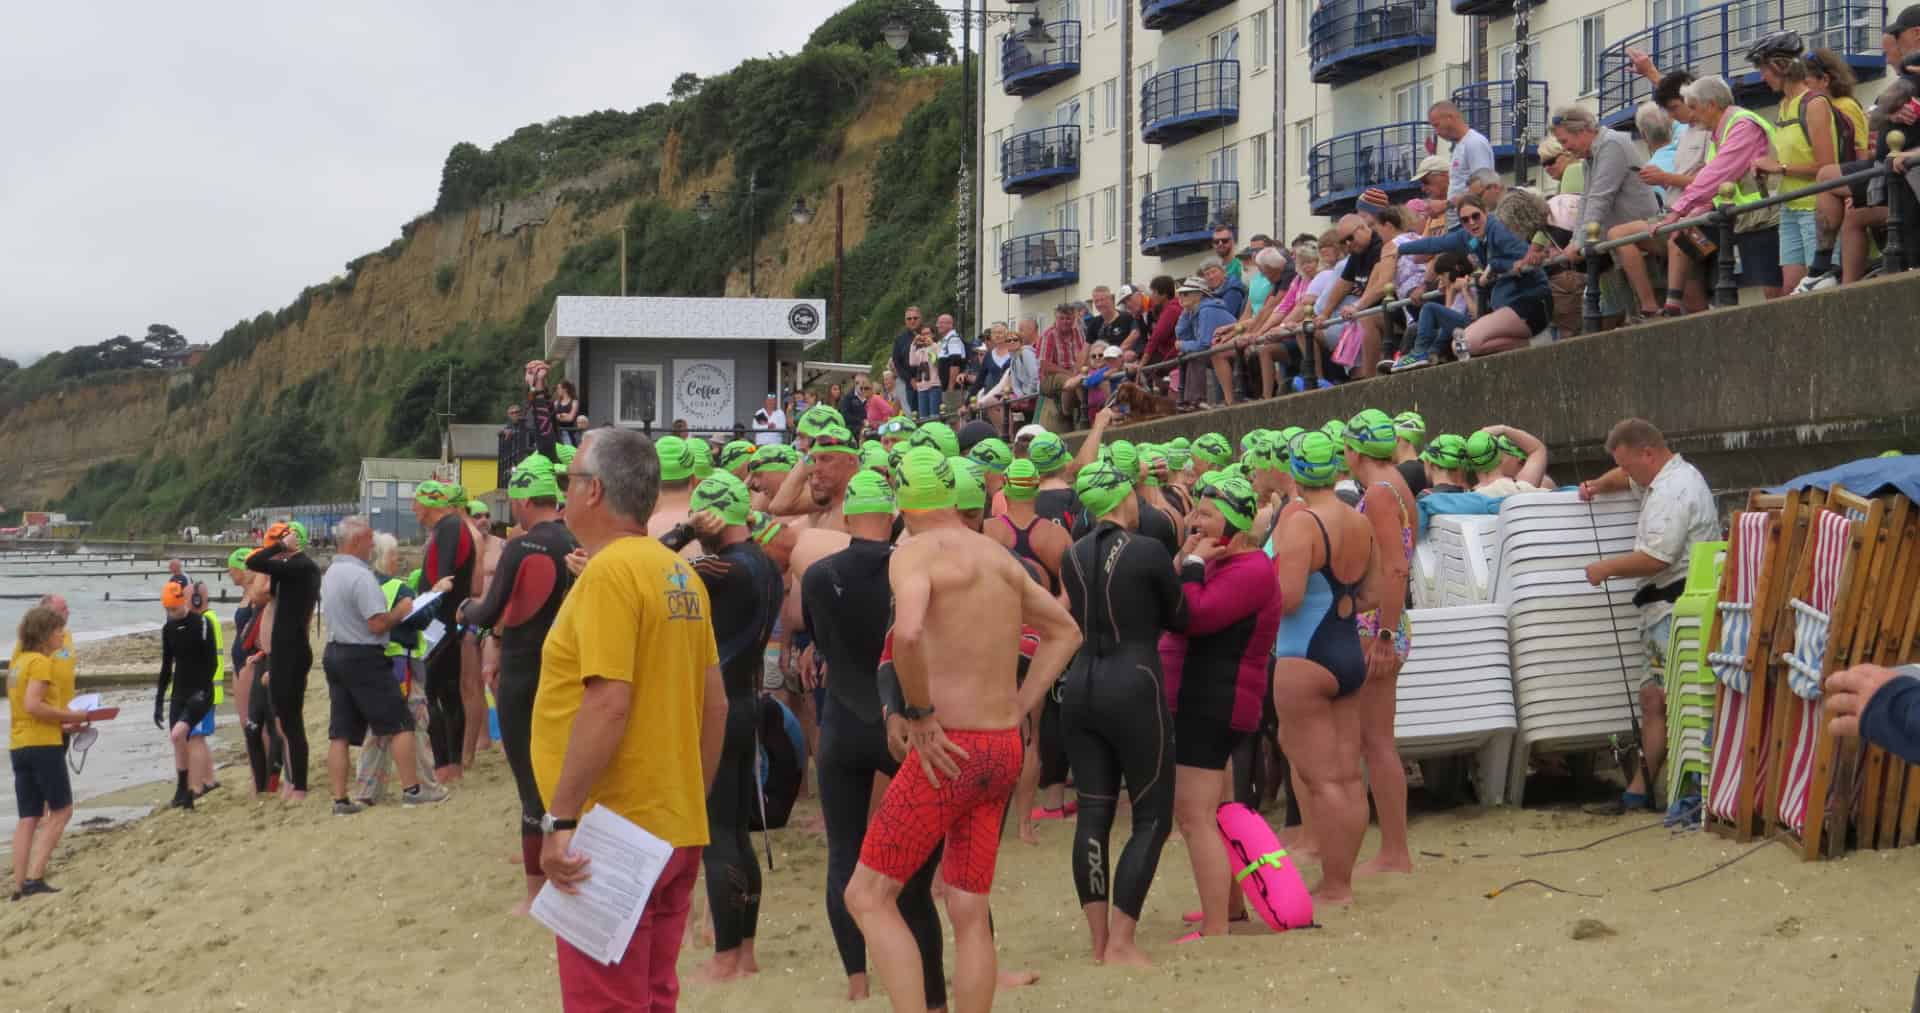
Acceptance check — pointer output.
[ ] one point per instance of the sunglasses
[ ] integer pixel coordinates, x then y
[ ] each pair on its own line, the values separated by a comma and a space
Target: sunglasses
1473, 217
1223, 241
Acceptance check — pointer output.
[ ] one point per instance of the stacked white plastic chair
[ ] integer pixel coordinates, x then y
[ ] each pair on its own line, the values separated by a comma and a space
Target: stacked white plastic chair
1456, 692
1465, 551
1577, 651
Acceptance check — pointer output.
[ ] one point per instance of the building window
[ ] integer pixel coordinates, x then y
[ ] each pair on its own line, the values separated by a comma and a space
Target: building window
999, 139
1069, 10
1257, 38
1224, 45
1088, 236
1110, 218
1506, 56
1257, 161
1410, 103
1092, 108
1305, 34
1113, 11
406, 490
636, 392
379, 490
1303, 143
1066, 215
1110, 94
998, 240
1145, 74
1146, 184
1067, 114
1223, 164
1593, 40
999, 46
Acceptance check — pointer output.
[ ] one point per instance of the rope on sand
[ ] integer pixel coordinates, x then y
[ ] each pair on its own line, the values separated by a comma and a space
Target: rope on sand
1491, 894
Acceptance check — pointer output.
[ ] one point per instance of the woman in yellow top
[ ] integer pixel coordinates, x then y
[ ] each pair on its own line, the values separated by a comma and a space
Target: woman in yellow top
1807, 142
1829, 75
38, 692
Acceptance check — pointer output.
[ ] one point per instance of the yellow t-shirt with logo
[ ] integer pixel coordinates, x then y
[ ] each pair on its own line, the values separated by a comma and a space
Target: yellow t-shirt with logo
28, 667
638, 614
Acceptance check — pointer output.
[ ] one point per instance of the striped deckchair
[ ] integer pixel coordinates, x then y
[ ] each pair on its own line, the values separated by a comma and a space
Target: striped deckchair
1753, 536
1833, 541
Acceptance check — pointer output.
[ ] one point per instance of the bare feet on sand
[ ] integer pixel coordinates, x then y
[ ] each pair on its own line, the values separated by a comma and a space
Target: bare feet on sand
725, 967
1381, 864
1125, 955
1017, 979
1029, 831
1322, 897
857, 988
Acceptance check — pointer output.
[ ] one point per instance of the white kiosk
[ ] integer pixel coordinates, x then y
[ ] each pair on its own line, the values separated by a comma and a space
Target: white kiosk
644, 362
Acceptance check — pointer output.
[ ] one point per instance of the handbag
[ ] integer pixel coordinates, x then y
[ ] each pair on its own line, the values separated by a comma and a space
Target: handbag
1694, 244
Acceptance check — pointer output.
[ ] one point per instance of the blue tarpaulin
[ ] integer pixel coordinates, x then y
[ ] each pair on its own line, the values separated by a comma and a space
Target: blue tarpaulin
1868, 477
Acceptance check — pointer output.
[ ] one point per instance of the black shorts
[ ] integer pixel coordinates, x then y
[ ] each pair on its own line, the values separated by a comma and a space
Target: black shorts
363, 694
1202, 742
192, 709
40, 782
1759, 263
1536, 312
1858, 189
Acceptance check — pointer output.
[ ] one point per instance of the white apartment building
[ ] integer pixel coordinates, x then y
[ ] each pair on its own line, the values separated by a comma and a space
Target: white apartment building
1107, 157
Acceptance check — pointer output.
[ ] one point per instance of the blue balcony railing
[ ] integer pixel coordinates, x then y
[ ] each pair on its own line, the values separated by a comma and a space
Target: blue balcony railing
1037, 159
1022, 73
1179, 219
1489, 108
1186, 101
1167, 15
1040, 261
1341, 168
1483, 8
1714, 40
1353, 38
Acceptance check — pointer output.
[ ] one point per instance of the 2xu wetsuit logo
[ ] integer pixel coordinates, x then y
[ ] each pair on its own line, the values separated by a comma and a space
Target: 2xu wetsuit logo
1096, 869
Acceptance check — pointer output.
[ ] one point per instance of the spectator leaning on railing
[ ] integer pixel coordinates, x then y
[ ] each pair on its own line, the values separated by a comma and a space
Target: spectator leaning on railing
1741, 140
1519, 308
1616, 198
1894, 109
1808, 139
1201, 316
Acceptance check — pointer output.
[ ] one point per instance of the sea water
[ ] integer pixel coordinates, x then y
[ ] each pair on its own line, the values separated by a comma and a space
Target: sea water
99, 606
129, 752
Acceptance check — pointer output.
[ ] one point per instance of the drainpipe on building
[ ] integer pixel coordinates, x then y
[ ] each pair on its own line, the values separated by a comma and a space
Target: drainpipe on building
1127, 236
1276, 167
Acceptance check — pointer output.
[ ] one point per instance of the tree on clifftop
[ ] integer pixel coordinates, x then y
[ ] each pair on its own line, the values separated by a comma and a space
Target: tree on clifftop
862, 22
466, 177
684, 86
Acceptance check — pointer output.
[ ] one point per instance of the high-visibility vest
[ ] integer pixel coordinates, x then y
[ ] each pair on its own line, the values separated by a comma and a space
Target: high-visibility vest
219, 658
392, 590
1746, 189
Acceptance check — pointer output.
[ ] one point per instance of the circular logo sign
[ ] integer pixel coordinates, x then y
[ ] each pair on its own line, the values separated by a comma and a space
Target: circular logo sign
706, 392
803, 319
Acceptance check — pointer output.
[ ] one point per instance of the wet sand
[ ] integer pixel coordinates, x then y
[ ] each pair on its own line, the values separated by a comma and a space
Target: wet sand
255, 905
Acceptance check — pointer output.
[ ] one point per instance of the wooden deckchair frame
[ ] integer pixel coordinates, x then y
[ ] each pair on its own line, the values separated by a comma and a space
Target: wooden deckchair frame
1876, 638
1757, 502
1755, 815
1873, 588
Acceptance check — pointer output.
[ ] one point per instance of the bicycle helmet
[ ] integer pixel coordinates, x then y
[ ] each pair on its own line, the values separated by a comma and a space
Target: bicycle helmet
1776, 44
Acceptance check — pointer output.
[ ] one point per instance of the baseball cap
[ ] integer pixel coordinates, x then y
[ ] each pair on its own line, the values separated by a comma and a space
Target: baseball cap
1192, 285
994, 453
868, 493
1447, 452
926, 481
1048, 453
1430, 165
1023, 480
723, 493
1483, 451
1029, 431
1112, 352
173, 594
676, 459
1908, 18
1124, 293
1101, 487
1371, 434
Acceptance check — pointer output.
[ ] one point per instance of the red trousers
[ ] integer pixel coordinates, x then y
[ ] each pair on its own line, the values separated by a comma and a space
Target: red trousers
645, 979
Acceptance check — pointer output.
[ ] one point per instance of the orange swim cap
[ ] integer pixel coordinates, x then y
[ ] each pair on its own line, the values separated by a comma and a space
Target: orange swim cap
173, 595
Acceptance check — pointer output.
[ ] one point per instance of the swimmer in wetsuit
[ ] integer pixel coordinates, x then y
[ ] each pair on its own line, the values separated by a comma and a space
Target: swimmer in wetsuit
295, 585
189, 655
1321, 553
845, 603
1122, 591
745, 589
450, 553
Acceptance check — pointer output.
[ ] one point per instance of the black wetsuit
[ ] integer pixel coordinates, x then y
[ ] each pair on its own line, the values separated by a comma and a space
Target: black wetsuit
187, 662
528, 587
745, 591
296, 592
1122, 590
1060, 506
257, 726
1154, 523
848, 605
1416, 475
450, 553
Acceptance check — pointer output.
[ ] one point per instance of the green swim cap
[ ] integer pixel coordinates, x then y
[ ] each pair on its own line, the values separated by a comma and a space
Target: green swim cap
1236, 470
723, 493
1283, 443
432, 495
299, 530
564, 453
1314, 461
765, 529
868, 493
1891, 453
702, 456
1411, 427
1483, 451
1448, 452
1126, 459
819, 417
833, 440
1247, 439
735, 452
1153, 457
969, 483
937, 435
1023, 480
1181, 442
1263, 453
1214, 449
1178, 455
1510, 448
1336, 429
774, 457
1233, 496
926, 481
533, 478
899, 425
894, 458
1048, 453
479, 508
1101, 487
1371, 434
873, 455
676, 459
237, 559
456, 495
994, 453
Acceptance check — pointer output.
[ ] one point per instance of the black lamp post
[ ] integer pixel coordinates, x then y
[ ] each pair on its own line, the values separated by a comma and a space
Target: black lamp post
703, 207
803, 215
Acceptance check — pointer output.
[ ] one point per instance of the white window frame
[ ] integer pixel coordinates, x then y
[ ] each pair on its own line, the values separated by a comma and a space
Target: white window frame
379, 490
1087, 234
1068, 112
999, 47
620, 372
1224, 44
1257, 37
1110, 94
1113, 11
1303, 140
1069, 10
1093, 111
1110, 216
1223, 164
1305, 33
1260, 148
1593, 42
1504, 60
1146, 184
1066, 214
999, 139
1422, 97
999, 239
1142, 74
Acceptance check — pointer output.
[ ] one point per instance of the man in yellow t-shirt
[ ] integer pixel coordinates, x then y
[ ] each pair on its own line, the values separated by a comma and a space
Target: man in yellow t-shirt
630, 713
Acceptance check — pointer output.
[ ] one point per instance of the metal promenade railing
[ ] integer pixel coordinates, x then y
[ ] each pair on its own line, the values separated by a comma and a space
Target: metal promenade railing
1714, 40
1022, 74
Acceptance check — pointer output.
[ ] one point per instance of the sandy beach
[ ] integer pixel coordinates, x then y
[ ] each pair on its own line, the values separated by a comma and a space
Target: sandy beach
255, 905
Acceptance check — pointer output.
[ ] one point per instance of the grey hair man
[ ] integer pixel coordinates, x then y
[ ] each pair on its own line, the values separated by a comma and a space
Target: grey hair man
1471, 149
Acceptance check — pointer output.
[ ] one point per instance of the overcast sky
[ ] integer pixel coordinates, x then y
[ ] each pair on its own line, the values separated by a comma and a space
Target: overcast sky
194, 164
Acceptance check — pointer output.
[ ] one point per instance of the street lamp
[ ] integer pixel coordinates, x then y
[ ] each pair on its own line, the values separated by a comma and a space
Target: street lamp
704, 210
897, 34
803, 215
1036, 40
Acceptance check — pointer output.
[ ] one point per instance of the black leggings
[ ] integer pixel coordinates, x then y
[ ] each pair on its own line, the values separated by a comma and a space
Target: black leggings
291, 664
263, 740
446, 713
852, 751
733, 876
1118, 733
513, 701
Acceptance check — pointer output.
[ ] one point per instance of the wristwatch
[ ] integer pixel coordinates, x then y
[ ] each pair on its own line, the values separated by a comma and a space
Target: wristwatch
912, 713
549, 825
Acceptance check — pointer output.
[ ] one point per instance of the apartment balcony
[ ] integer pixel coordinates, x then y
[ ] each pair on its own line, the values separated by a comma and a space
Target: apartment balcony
1341, 168
1037, 159
1714, 40
1167, 15
1354, 38
1180, 219
1188, 101
1040, 260
1489, 108
1483, 8
1022, 73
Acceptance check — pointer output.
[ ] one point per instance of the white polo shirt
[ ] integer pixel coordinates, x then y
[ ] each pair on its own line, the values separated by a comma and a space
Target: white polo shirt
1676, 511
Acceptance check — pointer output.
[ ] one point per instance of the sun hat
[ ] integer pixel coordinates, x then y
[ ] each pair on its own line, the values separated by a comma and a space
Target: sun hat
1430, 165
1192, 284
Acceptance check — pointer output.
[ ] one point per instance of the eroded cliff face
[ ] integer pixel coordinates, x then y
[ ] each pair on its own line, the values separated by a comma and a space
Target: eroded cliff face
502, 255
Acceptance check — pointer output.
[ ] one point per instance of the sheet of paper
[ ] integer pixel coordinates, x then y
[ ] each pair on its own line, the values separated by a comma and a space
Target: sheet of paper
432, 634
626, 862
423, 602
85, 702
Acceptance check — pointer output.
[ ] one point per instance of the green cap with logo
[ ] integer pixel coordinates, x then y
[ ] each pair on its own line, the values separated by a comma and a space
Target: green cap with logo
1510, 448
432, 494
1247, 439
734, 454
899, 425
1179, 453
1448, 452
1101, 487
1371, 434
702, 456
833, 440
1483, 451
1153, 460
676, 458
868, 493
1315, 460
1023, 480
818, 417
775, 457
1214, 449
1126, 459
564, 452
1234, 497
969, 483
299, 532
1411, 426
1283, 443
926, 481
994, 453
1262, 453
237, 559
939, 436
533, 478
1048, 453
723, 493
873, 455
